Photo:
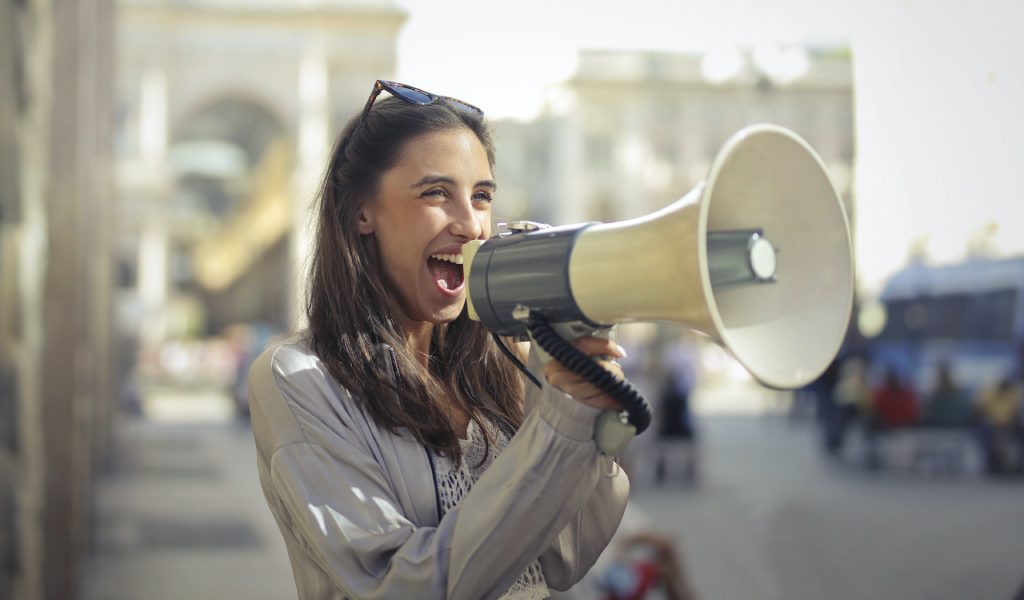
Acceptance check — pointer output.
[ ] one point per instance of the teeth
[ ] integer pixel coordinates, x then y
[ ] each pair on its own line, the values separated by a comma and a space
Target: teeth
452, 258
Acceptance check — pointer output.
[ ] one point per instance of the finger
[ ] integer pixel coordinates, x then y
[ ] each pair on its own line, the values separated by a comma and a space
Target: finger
565, 380
572, 384
581, 390
614, 367
588, 394
602, 402
592, 346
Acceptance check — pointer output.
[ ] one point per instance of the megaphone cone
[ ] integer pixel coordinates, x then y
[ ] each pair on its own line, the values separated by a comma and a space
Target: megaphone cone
758, 257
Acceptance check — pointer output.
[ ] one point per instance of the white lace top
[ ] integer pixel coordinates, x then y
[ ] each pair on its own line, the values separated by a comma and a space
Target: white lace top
454, 482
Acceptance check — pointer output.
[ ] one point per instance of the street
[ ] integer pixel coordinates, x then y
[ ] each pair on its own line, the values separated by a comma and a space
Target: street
181, 515
772, 518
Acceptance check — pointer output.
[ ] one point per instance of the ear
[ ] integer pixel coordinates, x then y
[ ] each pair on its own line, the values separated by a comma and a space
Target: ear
365, 221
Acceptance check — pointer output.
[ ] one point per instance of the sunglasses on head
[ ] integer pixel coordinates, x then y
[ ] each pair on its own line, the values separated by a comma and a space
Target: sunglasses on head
414, 95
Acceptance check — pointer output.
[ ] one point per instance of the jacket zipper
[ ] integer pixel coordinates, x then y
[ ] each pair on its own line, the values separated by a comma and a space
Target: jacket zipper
394, 367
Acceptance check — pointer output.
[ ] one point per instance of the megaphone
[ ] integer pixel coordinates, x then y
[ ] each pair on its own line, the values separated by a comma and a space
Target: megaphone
757, 257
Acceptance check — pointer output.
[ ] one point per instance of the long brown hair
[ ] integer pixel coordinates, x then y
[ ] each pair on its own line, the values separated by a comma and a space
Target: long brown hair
349, 305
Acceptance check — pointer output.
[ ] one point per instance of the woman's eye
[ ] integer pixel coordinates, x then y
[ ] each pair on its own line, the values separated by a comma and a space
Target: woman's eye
483, 197
435, 193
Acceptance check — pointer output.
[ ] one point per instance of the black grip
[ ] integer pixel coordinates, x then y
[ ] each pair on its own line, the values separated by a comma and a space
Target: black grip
621, 390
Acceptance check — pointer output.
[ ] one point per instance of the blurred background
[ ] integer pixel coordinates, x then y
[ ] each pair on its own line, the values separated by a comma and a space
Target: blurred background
158, 159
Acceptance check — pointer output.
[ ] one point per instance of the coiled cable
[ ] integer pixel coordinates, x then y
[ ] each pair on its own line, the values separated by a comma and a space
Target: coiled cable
621, 390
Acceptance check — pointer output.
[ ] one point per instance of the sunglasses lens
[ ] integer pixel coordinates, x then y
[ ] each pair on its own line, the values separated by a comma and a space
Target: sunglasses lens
467, 108
463, 106
414, 96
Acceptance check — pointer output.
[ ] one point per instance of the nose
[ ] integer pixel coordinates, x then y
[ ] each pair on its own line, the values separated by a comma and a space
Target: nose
466, 221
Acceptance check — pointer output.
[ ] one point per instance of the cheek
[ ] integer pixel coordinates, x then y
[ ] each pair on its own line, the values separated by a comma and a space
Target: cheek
485, 224
401, 259
391, 255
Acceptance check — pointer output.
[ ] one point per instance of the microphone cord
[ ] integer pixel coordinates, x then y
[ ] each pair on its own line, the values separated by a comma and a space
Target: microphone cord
515, 360
620, 389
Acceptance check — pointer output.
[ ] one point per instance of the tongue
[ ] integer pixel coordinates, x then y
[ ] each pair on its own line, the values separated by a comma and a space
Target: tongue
447, 275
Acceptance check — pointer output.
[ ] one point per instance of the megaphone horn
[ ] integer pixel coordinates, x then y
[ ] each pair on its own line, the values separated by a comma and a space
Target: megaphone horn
758, 257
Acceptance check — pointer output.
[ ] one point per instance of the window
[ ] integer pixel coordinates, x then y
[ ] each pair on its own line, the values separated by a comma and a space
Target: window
986, 316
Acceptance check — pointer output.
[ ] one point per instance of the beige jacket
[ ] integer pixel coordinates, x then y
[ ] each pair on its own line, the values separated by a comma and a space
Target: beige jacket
357, 505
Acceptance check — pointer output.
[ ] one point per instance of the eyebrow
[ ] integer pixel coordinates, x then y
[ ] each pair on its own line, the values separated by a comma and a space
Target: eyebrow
434, 179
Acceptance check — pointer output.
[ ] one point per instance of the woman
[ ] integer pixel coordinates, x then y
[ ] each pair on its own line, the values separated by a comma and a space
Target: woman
396, 445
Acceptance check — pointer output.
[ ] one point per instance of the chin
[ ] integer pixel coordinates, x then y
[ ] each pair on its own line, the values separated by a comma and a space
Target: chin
448, 314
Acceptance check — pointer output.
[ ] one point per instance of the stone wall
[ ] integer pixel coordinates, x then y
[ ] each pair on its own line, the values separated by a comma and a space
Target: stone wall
56, 208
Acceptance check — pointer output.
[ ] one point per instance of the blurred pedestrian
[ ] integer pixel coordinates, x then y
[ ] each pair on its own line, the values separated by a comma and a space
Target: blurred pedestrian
999, 411
853, 401
948, 404
893, 405
395, 445
820, 393
675, 428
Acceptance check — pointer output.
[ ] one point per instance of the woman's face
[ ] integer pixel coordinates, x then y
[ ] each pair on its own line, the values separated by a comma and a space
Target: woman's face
436, 198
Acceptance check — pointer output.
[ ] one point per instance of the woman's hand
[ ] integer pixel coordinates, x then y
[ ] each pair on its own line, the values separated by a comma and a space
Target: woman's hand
574, 385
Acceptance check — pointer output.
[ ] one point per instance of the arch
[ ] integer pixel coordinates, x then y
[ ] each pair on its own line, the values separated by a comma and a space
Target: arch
220, 143
235, 119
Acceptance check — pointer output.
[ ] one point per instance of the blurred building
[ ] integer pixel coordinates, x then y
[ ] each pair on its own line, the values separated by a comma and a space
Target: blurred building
56, 225
225, 116
157, 162
632, 131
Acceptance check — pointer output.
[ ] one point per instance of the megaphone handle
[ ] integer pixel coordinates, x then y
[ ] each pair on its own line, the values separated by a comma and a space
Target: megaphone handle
621, 390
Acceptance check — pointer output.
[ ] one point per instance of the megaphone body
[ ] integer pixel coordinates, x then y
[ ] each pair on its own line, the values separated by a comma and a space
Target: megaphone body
757, 257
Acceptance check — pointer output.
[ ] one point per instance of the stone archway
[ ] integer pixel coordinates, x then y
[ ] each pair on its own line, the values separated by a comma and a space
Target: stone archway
219, 143
233, 161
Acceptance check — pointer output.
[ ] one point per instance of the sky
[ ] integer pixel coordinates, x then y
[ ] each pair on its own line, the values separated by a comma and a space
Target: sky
938, 86
504, 54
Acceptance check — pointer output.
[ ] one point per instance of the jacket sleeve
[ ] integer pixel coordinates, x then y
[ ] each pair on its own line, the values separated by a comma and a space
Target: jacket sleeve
578, 545
333, 496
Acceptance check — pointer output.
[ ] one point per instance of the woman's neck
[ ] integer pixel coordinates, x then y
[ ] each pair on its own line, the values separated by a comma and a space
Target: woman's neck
417, 337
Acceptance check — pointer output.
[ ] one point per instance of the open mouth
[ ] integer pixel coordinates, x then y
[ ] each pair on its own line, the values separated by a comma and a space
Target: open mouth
446, 270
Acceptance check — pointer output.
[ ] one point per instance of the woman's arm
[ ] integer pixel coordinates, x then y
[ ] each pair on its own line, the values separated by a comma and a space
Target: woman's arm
330, 492
580, 543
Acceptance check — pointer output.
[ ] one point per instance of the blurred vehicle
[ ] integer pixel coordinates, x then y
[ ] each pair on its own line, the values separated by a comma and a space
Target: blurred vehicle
969, 315
949, 334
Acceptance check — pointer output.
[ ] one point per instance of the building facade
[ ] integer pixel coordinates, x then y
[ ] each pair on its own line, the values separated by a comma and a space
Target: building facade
56, 347
157, 162
631, 132
226, 112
